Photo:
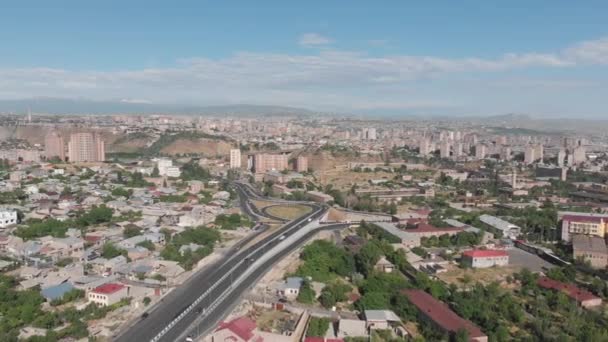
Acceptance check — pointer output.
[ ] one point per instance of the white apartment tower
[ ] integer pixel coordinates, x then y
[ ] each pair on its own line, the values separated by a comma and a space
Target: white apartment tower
235, 158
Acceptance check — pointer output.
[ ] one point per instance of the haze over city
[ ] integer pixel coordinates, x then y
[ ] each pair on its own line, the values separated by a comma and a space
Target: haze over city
544, 59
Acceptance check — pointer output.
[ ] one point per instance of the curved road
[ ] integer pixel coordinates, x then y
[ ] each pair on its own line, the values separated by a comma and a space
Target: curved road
212, 281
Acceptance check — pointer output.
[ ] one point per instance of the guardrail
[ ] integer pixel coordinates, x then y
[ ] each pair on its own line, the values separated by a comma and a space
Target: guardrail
224, 277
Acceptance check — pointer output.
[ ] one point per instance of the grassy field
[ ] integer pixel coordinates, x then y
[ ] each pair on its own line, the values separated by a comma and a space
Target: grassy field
288, 212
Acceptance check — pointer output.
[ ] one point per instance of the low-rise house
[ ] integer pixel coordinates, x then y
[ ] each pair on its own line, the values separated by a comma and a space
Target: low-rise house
380, 319
56, 292
138, 253
484, 258
291, 288
108, 294
241, 329
591, 249
59, 248
582, 297
8, 217
384, 265
441, 316
352, 328
192, 247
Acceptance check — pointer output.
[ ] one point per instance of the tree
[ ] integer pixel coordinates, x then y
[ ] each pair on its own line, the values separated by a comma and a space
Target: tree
109, 251
462, 335
155, 172
317, 327
146, 301
131, 230
306, 294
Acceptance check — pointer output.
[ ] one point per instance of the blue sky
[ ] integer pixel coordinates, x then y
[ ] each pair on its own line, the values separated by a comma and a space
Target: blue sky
547, 58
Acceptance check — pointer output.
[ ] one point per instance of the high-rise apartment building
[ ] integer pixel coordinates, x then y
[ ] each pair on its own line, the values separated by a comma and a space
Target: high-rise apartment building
235, 158
444, 150
86, 147
54, 146
302, 164
533, 153
480, 151
561, 158
264, 162
579, 155
425, 147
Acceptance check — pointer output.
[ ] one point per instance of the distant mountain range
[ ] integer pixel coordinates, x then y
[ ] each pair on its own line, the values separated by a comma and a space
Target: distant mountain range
46, 105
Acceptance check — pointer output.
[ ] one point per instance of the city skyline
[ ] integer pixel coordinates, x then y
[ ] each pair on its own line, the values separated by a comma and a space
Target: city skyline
541, 59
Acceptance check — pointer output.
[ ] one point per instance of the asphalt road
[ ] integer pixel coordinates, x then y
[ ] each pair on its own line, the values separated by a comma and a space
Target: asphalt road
208, 322
179, 299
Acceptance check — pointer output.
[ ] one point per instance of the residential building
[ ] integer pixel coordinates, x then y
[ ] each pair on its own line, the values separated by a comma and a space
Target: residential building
264, 162
484, 258
444, 150
235, 158
302, 164
582, 297
579, 155
586, 224
380, 319
165, 168
590, 249
561, 158
481, 151
54, 146
533, 153
508, 229
291, 288
441, 316
240, 329
318, 196
383, 265
424, 147
351, 328
7, 217
86, 147
108, 294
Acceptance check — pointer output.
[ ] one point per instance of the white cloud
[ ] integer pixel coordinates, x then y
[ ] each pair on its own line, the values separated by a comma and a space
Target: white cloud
313, 39
323, 79
591, 51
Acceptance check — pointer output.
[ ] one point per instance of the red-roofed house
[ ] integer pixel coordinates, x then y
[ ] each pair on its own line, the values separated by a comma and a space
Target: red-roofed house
441, 316
583, 298
479, 258
108, 294
322, 339
238, 330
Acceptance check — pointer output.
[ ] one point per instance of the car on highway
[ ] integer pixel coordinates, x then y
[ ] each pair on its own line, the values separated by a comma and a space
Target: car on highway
189, 339
282, 237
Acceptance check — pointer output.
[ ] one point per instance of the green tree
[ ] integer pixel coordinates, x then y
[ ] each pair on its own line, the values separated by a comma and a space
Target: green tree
306, 294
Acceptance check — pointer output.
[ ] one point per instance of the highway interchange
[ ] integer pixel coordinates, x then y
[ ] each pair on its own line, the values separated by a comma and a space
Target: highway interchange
213, 289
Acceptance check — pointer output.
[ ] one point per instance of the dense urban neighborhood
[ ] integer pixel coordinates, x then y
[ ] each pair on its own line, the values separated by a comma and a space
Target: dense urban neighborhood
168, 228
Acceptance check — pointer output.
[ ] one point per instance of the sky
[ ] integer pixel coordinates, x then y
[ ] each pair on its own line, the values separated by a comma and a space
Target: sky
544, 58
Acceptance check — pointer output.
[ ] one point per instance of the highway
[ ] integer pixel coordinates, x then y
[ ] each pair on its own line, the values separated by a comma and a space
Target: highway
209, 320
176, 311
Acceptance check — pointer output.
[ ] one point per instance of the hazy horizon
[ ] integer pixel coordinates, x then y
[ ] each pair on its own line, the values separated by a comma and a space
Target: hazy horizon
477, 59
